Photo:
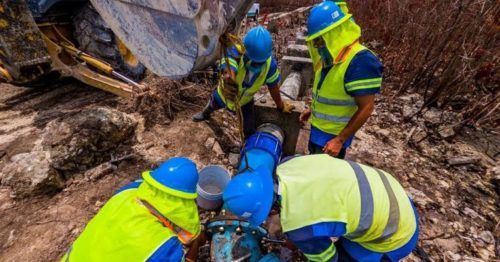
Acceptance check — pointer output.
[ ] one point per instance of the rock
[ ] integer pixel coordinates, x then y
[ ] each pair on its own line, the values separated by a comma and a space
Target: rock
30, 174
217, 149
433, 116
234, 159
496, 183
463, 160
419, 197
471, 213
496, 172
100, 171
487, 237
446, 132
384, 133
6, 200
86, 139
209, 144
452, 256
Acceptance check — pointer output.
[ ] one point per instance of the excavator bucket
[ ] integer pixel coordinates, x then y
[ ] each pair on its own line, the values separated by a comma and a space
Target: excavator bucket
173, 37
23, 53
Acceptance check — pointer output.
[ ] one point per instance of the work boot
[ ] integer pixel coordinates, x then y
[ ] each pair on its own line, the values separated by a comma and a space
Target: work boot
205, 114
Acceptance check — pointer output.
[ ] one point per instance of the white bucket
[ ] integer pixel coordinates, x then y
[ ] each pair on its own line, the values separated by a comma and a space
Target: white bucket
211, 184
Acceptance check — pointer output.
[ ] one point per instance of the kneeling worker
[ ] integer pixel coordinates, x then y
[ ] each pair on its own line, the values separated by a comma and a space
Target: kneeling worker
321, 197
147, 220
244, 76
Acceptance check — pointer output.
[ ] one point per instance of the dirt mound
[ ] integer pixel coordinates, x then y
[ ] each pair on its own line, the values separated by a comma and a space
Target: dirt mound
165, 98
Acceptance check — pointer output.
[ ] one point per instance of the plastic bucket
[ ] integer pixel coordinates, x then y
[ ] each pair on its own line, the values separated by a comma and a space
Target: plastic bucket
211, 183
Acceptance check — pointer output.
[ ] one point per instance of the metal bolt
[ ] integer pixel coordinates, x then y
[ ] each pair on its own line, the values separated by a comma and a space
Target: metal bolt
254, 232
238, 230
221, 229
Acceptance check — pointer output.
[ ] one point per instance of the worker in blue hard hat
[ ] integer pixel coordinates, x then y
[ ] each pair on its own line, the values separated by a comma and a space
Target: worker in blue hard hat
243, 73
320, 197
150, 219
347, 77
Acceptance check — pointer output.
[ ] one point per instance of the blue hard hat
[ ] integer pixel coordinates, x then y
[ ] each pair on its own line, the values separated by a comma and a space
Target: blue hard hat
250, 195
177, 176
258, 44
323, 17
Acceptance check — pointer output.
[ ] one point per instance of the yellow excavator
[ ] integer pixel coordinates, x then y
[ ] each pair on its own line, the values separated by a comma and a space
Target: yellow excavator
108, 44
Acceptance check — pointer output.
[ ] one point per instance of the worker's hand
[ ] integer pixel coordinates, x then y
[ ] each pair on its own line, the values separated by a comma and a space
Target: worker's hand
286, 107
304, 116
333, 147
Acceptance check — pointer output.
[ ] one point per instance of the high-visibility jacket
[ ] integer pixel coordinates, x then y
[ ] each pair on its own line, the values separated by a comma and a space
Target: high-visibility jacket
332, 108
375, 208
245, 94
125, 229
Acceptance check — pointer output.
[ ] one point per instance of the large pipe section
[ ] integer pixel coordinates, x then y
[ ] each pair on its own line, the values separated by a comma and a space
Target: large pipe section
263, 148
234, 239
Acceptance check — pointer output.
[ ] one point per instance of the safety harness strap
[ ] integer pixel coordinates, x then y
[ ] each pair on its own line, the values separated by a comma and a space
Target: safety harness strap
184, 236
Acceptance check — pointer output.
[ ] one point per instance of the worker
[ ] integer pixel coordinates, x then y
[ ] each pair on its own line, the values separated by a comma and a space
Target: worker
148, 220
320, 197
347, 77
242, 76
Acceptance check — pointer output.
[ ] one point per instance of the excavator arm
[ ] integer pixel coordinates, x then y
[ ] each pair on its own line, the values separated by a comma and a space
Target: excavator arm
173, 37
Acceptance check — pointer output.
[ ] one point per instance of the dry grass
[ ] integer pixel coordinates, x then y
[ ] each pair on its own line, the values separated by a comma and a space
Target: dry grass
445, 49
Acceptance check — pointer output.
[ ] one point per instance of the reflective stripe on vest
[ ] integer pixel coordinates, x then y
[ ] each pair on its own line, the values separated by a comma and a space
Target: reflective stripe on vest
392, 224
246, 94
323, 256
334, 102
332, 107
374, 206
367, 207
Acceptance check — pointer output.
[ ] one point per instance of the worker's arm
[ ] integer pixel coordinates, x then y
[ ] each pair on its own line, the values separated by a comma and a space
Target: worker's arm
363, 79
275, 94
366, 104
273, 84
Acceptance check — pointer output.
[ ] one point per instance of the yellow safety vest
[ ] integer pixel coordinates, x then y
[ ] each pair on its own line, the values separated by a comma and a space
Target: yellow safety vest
125, 229
332, 108
246, 94
377, 211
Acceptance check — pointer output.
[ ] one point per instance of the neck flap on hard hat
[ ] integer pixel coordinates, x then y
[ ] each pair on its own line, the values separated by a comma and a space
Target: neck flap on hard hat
181, 211
336, 39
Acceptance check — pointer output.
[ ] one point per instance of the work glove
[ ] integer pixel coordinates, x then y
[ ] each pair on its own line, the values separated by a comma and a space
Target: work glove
287, 107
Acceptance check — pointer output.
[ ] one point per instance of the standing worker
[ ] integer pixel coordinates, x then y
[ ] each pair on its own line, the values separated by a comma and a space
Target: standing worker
147, 220
347, 77
321, 197
247, 71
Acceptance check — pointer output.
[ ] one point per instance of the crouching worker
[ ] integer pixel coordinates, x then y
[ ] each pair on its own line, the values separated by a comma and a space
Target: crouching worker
147, 220
321, 197
243, 73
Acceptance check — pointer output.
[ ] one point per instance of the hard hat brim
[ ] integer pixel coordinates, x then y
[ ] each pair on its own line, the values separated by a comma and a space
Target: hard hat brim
328, 28
150, 180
